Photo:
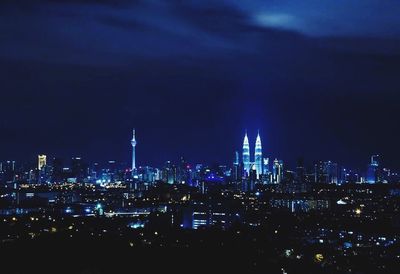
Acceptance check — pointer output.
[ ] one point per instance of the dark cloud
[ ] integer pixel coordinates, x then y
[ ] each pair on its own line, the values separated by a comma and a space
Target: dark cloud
191, 76
131, 25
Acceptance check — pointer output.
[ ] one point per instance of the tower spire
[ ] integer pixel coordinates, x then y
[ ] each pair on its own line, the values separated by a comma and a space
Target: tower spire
246, 153
258, 155
133, 143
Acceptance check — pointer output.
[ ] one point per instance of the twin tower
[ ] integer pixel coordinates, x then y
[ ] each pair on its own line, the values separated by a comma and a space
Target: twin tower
257, 164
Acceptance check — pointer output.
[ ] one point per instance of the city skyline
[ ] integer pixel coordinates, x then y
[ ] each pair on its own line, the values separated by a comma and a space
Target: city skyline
246, 150
249, 165
209, 136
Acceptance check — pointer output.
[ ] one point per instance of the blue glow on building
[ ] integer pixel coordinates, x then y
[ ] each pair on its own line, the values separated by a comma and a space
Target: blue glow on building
258, 156
133, 143
373, 170
246, 155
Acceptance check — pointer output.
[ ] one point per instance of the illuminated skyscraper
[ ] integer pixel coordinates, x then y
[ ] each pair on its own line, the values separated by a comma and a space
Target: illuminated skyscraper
41, 161
258, 156
252, 178
133, 142
236, 158
169, 173
373, 175
236, 172
266, 166
246, 155
277, 171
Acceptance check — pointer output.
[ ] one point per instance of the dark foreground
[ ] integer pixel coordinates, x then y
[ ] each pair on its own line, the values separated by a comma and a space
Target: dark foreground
206, 251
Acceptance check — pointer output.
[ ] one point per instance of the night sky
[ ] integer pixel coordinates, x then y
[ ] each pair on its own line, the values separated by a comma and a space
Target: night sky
319, 79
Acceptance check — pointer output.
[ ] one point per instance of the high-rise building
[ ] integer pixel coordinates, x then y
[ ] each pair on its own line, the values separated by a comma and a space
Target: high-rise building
41, 161
252, 177
236, 172
57, 174
277, 171
265, 176
79, 169
133, 142
8, 171
258, 156
319, 176
265, 166
246, 155
343, 176
169, 173
325, 172
300, 171
373, 174
236, 162
331, 171
183, 174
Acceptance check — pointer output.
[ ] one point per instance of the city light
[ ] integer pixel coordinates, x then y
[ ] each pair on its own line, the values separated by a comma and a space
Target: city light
199, 136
